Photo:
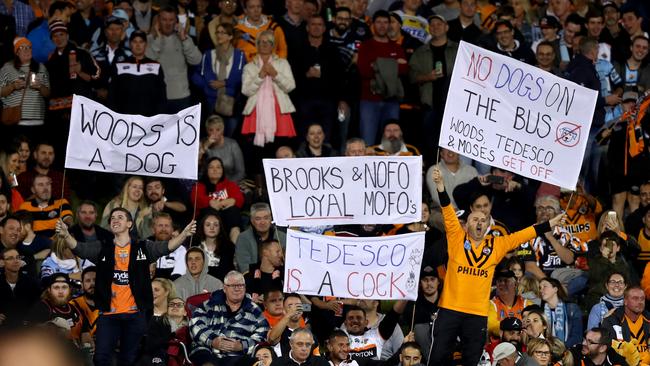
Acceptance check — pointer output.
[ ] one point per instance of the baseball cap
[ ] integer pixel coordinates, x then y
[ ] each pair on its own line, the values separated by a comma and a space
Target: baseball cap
511, 323
120, 13
501, 351
55, 278
436, 16
427, 271
114, 20
138, 34
549, 21
610, 3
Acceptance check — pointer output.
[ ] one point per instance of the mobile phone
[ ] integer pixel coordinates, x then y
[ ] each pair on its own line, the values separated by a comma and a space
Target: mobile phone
32, 78
495, 179
611, 215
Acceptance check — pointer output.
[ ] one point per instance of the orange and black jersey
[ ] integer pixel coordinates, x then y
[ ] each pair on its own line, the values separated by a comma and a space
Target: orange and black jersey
470, 267
644, 242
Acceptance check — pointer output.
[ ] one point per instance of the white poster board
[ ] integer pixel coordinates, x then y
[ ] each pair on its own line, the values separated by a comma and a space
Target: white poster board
517, 117
345, 190
382, 268
101, 140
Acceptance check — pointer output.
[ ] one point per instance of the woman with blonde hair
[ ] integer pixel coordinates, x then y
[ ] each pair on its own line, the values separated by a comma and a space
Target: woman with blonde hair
163, 292
540, 350
9, 165
267, 82
528, 288
61, 260
133, 199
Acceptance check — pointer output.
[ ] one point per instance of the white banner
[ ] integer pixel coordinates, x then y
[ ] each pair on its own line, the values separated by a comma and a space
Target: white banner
101, 140
514, 116
345, 190
381, 268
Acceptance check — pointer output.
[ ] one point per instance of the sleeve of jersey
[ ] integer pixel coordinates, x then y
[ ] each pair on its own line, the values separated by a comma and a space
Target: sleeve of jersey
452, 226
514, 240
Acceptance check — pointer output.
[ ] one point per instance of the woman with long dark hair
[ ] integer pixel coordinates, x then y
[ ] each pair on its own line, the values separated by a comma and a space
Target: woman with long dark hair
216, 192
219, 250
564, 317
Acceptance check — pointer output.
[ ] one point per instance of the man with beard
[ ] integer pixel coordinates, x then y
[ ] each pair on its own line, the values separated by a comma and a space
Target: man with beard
85, 229
161, 201
506, 303
392, 142
86, 305
55, 307
44, 157
368, 343
44, 209
196, 280
172, 265
338, 349
268, 272
18, 291
596, 350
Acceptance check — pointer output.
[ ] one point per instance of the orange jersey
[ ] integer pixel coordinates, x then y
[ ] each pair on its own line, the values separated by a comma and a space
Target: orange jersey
470, 268
644, 243
122, 300
248, 37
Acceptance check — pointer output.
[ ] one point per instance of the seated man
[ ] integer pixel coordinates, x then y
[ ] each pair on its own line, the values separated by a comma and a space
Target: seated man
172, 265
454, 172
261, 229
394, 341
44, 208
162, 201
227, 326
85, 229
368, 343
55, 307
86, 305
196, 280
301, 343
506, 303
282, 331
392, 143
268, 272
18, 291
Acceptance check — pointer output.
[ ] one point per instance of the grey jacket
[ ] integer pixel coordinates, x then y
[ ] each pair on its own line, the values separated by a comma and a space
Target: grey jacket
422, 63
187, 286
246, 248
174, 55
386, 82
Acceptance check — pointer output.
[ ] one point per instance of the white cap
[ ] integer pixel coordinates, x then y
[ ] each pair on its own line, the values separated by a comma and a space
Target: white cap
501, 351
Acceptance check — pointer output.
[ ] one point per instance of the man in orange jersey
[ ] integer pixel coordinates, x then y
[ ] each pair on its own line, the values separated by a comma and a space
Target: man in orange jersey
123, 286
631, 323
473, 257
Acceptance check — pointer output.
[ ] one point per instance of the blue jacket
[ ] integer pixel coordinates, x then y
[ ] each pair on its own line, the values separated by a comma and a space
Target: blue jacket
203, 74
42, 45
210, 320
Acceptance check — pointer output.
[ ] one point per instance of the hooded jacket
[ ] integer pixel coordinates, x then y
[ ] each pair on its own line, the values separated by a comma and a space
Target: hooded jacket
187, 286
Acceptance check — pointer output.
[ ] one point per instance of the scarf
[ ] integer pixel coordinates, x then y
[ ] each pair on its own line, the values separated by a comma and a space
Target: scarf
558, 318
265, 111
608, 303
220, 67
69, 265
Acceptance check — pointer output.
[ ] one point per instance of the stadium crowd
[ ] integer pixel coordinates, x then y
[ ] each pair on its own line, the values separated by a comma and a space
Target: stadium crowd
110, 269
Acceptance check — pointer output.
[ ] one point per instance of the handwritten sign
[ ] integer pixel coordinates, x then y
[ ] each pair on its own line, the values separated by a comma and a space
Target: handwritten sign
516, 117
345, 190
383, 268
102, 140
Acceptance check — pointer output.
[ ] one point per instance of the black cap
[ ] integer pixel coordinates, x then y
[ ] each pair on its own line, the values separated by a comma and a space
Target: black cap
427, 271
55, 278
504, 274
550, 21
610, 3
511, 323
114, 20
138, 34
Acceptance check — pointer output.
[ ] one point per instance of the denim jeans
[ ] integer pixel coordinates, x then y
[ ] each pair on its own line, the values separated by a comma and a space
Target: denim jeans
128, 329
374, 116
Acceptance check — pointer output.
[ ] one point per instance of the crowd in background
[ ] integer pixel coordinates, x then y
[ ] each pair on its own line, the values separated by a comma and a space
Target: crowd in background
130, 269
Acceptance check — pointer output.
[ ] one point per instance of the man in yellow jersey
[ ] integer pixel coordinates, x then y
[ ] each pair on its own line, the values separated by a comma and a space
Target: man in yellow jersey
631, 323
465, 298
123, 286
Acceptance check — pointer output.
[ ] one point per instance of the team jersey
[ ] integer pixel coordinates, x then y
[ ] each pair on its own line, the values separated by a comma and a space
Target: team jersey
248, 37
497, 228
366, 346
638, 334
122, 300
470, 268
644, 243
541, 251
88, 313
45, 217
415, 25
499, 311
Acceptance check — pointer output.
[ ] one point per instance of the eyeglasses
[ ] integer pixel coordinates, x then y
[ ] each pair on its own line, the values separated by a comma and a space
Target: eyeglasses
616, 283
590, 342
236, 285
176, 304
16, 258
24, 48
545, 208
542, 353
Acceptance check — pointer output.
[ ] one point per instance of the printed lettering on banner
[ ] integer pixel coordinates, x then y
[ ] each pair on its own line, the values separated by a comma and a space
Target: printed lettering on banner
166, 145
517, 117
382, 268
345, 190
